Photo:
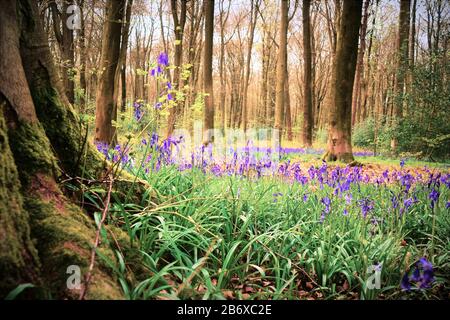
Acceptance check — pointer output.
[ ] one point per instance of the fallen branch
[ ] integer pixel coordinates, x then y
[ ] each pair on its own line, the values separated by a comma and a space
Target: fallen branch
97, 242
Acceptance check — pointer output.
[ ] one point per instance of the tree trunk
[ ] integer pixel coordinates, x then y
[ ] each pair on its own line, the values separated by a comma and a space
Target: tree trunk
179, 23
105, 98
402, 65
339, 145
64, 37
288, 113
42, 232
83, 59
253, 19
208, 124
122, 67
281, 69
356, 101
307, 85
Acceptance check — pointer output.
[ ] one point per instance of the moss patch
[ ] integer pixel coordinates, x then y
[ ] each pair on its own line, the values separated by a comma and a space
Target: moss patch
32, 151
18, 257
65, 236
66, 133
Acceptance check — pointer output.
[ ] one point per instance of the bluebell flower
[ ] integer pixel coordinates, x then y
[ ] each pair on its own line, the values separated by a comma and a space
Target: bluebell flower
405, 284
422, 276
163, 59
408, 203
305, 197
138, 113
327, 203
366, 206
103, 148
415, 277
348, 198
434, 197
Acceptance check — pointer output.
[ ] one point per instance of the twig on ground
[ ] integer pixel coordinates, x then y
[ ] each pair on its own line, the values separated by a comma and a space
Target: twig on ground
97, 242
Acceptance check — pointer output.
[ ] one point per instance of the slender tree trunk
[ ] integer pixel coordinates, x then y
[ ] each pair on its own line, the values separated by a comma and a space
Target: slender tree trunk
253, 20
356, 101
105, 102
339, 145
83, 58
223, 17
122, 67
281, 70
264, 68
288, 118
307, 82
402, 65
179, 23
208, 124
64, 37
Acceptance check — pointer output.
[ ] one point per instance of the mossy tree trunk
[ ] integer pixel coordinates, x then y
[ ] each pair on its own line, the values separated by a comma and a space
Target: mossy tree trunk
42, 232
339, 146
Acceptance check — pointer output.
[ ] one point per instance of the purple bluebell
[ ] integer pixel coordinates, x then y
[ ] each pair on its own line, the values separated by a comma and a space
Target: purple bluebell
434, 197
405, 283
366, 206
163, 59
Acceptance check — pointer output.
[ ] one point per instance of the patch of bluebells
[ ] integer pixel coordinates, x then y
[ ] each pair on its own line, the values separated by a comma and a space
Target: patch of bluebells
163, 62
118, 154
340, 183
421, 277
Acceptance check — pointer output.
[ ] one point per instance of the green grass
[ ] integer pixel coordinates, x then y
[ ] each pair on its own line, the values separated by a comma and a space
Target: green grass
205, 237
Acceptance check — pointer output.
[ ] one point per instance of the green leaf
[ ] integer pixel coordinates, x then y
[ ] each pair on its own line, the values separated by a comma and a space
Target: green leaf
18, 290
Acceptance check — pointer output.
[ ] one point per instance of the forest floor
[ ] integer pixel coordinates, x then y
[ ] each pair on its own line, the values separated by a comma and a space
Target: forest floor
250, 228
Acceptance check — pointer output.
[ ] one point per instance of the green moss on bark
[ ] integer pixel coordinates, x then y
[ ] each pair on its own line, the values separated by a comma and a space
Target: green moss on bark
32, 151
67, 134
18, 257
65, 235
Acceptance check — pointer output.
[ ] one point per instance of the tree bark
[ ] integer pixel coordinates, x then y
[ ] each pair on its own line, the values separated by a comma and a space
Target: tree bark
281, 70
179, 24
253, 19
307, 82
42, 231
208, 122
339, 145
64, 37
83, 58
122, 67
105, 102
402, 65
356, 101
